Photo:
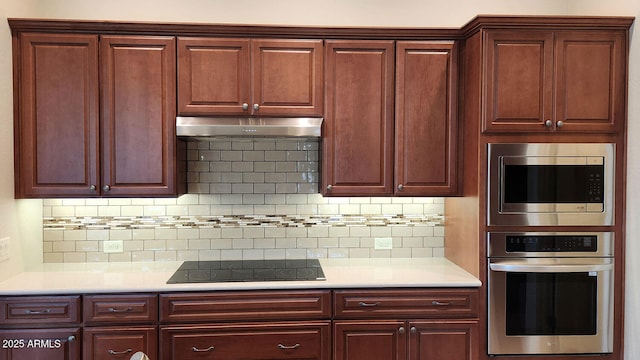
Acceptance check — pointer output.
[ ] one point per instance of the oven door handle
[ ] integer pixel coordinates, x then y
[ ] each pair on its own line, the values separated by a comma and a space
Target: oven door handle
535, 268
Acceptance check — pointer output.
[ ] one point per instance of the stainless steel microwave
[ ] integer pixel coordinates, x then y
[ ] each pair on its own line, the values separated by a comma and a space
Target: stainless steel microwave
551, 184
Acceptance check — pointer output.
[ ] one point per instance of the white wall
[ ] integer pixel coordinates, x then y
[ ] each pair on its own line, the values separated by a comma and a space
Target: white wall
18, 218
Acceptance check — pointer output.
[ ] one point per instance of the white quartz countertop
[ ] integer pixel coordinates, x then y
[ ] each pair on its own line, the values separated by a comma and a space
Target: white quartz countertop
83, 278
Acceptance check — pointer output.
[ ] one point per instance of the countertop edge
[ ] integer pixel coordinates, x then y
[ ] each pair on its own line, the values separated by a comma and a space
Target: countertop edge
71, 279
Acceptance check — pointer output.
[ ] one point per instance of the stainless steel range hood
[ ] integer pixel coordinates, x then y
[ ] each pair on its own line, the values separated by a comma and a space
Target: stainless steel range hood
210, 127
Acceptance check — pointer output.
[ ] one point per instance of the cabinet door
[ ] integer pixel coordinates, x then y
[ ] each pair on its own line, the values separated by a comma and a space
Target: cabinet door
451, 340
119, 343
213, 76
591, 81
370, 340
138, 116
40, 344
357, 156
287, 77
518, 81
56, 126
426, 130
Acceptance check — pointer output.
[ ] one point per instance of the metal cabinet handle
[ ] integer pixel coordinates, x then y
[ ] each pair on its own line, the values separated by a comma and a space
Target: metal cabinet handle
365, 304
106, 188
113, 352
285, 347
329, 188
71, 338
92, 188
560, 123
400, 187
245, 106
548, 123
440, 303
195, 349
414, 330
256, 107
37, 312
113, 310
401, 330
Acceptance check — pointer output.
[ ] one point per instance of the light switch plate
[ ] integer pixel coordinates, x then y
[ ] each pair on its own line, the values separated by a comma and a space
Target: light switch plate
5, 249
112, 246
383, 243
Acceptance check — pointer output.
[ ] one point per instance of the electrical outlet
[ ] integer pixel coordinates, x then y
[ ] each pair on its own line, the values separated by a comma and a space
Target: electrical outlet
383, 243
112, 246
5, 248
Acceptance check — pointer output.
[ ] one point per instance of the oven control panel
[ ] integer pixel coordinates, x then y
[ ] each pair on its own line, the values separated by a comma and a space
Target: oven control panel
551, 243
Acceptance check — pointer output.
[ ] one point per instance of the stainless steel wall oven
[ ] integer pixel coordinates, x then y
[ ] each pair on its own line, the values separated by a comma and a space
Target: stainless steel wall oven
550, 293
551, 184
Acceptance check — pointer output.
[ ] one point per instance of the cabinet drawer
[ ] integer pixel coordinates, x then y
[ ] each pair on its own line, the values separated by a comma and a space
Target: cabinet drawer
120, 308
406, 303
308, 340
40, 310
250, 305
119, 342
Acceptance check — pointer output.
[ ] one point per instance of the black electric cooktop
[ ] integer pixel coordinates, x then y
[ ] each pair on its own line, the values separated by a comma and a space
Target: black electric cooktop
247, 270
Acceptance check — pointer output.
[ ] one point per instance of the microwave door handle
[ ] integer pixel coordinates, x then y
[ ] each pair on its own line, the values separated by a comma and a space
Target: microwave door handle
510, 267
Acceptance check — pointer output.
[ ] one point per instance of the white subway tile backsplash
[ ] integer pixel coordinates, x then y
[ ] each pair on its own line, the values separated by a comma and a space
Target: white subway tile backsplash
248, 199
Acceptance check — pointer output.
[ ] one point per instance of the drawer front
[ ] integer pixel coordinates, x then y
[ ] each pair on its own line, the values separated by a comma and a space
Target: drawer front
120, 308
408, 303
40, 310
119, 342
308, 340
250, 305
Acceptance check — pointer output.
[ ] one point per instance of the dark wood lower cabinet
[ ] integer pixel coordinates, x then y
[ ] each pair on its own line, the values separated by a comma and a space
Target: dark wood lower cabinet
256, 341
119, 342
369, 340
405, 340
341, 324
450, 339
40, 344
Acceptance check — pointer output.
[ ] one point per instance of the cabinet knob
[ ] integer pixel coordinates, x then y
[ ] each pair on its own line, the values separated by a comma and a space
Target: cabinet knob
92, 188
413, 330
560, 123
548, 123
106, 188
401, 330
256, 107
400, 187
71, 338
245, 106
329, 188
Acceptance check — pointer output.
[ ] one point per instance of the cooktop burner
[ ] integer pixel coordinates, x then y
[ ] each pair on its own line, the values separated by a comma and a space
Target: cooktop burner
247, 270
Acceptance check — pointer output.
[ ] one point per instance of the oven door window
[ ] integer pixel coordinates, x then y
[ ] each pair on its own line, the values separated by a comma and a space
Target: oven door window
551, 303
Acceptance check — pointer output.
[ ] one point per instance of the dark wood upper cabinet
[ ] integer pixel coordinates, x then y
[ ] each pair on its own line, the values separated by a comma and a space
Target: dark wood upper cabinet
138, 116
426, 124
368, 151
270, 77
96, 116
357, 154
564, 81
56, 134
